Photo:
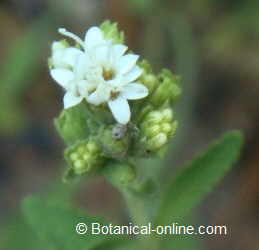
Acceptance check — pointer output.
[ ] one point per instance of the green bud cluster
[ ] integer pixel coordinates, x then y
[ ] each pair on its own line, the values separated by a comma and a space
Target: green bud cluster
155, 118
156, 129
83, 156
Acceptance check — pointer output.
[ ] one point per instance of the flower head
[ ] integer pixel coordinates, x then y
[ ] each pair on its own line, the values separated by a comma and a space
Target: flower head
100, 72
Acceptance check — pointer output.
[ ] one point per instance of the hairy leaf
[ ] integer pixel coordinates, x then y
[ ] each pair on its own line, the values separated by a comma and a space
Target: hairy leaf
199, 177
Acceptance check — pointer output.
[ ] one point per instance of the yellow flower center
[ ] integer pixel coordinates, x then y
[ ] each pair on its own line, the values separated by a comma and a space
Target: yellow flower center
108, 74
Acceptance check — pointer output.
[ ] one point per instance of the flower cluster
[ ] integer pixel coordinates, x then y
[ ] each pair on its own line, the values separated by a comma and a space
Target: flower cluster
157, 127
98, 76
83, 156
99, 71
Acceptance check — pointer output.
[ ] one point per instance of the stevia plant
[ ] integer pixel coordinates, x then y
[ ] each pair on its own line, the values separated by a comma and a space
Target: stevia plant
115, 108
118, 114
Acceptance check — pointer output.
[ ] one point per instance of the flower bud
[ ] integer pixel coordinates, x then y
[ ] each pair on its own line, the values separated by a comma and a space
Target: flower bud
147, 77
146, 66
157, 142
154, 117
167, 89
112, 32
156, 128
153, 130
84, 156
120, 174
167, 114
166, 128
149, 80
72, 125
113, 146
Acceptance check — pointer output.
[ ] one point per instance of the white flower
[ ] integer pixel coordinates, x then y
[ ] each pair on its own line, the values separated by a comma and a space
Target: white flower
63, 56
101, 73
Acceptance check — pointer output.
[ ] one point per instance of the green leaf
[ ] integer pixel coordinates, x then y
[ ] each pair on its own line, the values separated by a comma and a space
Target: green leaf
18, 235
198, 178
54, 223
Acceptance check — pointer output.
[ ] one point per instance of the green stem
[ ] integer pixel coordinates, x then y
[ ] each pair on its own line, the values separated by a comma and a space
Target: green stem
140, 197
137, 207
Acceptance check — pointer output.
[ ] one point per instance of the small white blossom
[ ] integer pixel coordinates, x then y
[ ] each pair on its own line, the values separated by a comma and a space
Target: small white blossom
63, 56
100, 73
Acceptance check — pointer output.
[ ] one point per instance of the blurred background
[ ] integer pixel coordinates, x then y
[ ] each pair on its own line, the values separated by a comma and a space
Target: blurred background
212, 44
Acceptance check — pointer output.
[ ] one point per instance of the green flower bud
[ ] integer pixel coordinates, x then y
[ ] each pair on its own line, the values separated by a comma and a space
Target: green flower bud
112, 32
167, 90
114, 141
146, 66
166, 128
156, 128
120, 175
147, 77
84, 156
157, 142
149, 80
72, 124
144, 111
153, 130
167, 114
154, 117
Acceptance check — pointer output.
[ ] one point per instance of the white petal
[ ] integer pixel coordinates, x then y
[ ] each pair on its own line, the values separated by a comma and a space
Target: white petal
120, 109
126, 63
118, 51
71, 55
82, 88
134, 91
100, 95
133, 74
81, 67
101, 55
71, 100
62, 76
93, 37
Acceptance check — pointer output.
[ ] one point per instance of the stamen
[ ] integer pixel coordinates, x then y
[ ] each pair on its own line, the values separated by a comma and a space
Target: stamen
114, 94
108, 74
64, 32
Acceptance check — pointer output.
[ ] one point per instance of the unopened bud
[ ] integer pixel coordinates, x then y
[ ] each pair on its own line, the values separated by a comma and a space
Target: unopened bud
83, 157
156, 128
152, 131
157, 142
72, 125
149, 80
113, 146
167, 90
167, 114
166, 128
